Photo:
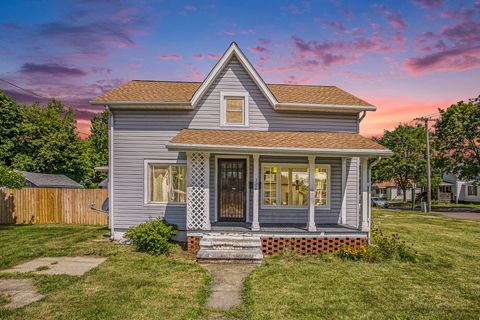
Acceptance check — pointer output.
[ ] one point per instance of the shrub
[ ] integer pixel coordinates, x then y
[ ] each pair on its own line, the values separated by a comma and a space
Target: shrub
152, 236
386, 247
382, 248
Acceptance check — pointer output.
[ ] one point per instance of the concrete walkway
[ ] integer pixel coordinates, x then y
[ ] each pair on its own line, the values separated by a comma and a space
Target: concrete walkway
74, 266
226, 290
20, 291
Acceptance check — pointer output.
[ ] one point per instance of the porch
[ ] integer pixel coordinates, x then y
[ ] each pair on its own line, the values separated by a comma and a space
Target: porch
277, 189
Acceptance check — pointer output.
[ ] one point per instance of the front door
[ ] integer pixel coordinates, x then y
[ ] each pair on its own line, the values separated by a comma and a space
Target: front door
232, 175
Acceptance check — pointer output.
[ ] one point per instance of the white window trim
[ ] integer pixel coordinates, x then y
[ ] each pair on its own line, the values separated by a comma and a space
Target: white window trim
472, 195
278, 186
146, 181
223, 107
247, 184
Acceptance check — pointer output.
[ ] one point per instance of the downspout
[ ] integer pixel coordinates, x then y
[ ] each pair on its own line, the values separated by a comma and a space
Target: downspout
362, 116
110, 175
373, 164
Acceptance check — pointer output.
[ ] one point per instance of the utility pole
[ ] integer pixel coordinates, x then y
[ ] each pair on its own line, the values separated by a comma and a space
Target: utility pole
429, 180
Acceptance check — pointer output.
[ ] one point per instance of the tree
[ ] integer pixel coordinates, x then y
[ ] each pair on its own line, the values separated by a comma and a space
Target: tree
10, 120
458, 134
10, 179
408, 164
49, 143
98, 145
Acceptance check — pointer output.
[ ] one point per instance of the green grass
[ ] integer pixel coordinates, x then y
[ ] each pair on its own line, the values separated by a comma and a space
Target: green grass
129, 285
470, 206
443, 284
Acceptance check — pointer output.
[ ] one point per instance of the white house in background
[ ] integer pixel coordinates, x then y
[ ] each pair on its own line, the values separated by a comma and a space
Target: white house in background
464, 191
241, 166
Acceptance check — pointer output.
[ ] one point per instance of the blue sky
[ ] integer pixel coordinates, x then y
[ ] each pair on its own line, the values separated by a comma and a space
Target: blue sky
406, 57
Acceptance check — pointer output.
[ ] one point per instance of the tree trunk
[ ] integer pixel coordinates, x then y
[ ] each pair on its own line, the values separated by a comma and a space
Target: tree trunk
404, 195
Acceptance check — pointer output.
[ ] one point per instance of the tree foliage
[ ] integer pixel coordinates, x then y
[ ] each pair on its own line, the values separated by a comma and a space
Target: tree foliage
10, 179
98, 145
44, 139
408, 164
458, 134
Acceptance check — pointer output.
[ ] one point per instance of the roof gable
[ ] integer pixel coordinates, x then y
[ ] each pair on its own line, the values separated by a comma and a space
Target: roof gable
178, 95
233, 51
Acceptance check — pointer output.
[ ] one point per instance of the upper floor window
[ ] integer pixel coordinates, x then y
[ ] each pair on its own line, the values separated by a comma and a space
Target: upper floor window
234, 109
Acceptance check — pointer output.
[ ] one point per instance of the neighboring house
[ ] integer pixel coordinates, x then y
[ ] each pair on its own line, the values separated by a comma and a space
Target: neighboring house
238, 163
389, 190
463, 191
46, 180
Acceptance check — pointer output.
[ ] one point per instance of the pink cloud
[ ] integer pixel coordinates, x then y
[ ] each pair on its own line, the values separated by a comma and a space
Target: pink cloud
229, 33
175, 57
214, 56
259, 50
391, 111
427, 4
264, 42
448, 60
193, 73
198, 56
248, 31
393, 17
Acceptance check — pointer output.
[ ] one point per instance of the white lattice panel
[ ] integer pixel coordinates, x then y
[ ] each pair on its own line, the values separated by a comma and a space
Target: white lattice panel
198, 191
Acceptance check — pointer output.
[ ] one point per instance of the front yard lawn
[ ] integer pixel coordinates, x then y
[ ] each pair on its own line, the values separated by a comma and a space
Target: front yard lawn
129, 285
443, 284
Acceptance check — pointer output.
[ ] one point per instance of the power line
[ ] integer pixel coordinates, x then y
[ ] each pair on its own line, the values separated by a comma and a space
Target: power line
26, 90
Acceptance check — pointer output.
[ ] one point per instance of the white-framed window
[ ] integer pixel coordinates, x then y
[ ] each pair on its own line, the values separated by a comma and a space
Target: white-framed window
234, 109
472, 190
165, 183
286, 185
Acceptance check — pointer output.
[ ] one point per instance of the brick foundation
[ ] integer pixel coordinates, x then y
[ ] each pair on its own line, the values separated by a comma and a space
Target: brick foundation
299, 245
193, 244
305, 246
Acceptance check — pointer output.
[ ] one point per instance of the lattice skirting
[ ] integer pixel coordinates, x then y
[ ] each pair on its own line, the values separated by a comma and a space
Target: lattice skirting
193, 244
305, 246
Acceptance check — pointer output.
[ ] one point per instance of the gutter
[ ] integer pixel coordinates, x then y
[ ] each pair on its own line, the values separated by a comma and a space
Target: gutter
362, 116
373, 164
276, 150
323, 107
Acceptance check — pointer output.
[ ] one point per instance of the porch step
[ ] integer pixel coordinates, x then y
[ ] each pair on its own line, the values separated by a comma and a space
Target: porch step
230, 247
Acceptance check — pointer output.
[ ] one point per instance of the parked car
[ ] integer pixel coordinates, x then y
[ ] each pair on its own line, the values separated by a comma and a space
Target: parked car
379, 202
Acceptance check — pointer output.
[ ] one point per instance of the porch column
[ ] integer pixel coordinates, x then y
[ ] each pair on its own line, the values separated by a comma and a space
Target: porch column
198, 191
343, 209
256, 182
364, 222
311, 199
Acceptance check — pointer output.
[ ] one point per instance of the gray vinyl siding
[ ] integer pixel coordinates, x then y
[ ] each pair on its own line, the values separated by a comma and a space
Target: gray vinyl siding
352, 187
142, 135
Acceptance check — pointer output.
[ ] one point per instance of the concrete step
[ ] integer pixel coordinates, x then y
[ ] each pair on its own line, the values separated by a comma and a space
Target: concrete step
234, 256
230, 247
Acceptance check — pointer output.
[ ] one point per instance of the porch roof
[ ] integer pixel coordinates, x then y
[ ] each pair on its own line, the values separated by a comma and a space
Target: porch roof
271, 142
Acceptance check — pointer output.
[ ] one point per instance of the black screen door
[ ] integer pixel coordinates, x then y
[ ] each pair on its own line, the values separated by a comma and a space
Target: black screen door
232, 175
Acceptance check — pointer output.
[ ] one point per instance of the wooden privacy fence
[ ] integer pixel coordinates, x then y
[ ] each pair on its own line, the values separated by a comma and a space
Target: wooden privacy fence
52, 205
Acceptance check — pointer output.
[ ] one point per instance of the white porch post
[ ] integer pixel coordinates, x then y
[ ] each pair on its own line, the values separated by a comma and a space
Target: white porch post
198, 191
207, 191
311, 208
365, 224
256, 182
343, 209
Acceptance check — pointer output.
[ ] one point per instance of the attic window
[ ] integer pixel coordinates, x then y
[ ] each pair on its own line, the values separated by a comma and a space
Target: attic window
234, 109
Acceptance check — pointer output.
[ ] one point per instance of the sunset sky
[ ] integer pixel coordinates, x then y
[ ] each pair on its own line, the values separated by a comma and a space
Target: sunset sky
406, 57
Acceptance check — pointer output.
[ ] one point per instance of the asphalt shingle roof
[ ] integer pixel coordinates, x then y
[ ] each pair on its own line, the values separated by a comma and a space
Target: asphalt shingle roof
44, 180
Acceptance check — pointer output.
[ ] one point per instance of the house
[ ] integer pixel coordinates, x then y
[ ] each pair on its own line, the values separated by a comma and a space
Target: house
47, 180
389, 190
240, 164
463, 191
